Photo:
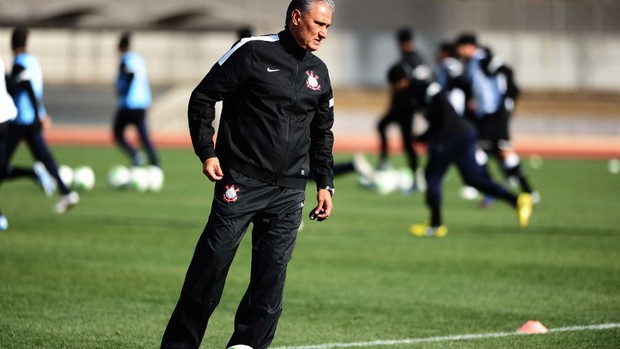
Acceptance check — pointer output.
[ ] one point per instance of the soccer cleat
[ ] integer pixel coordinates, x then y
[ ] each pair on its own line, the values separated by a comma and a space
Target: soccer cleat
524, 209
4, 223
487, 201
424, 230
44, 178
66, 202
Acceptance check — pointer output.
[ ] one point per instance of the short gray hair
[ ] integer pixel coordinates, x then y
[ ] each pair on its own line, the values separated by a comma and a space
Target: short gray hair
304, 6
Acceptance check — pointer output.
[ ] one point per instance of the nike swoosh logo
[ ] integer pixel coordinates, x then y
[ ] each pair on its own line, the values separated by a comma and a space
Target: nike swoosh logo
269, 70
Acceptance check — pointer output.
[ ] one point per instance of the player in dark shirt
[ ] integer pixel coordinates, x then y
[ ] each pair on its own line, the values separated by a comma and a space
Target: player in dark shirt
401, 110
451, 139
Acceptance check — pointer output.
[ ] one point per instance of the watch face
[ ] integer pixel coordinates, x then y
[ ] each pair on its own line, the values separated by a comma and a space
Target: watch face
330, 190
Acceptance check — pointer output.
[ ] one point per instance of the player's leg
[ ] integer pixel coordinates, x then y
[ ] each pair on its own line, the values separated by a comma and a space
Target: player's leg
41, 152
485, 150
477, 176
4, 223
437, 166
487, 130
13, 137
406, 127
4, 133
273, 240
383, 145
141, 126
37, 173
236, 199
121, 121
204, 281
511, 165
439, 159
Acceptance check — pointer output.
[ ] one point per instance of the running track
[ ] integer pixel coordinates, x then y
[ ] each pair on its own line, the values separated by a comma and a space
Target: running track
590, 147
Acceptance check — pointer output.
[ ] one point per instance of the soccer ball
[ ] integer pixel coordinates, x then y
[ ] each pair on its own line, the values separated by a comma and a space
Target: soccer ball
240, 346
386, 181
66, 175
536, 161
139, 179
83, 178
156, 178
119, 176
614, 166
468, 193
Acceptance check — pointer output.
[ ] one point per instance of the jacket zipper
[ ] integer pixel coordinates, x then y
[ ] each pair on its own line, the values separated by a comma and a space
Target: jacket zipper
288, 120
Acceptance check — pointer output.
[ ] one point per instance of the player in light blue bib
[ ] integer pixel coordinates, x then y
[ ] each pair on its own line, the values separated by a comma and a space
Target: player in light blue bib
134, 99
26, 81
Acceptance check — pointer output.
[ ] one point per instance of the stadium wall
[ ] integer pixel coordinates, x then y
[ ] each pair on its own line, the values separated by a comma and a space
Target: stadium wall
571, 60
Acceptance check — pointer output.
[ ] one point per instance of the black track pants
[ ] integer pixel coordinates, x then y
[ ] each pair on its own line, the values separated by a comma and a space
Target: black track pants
276, 214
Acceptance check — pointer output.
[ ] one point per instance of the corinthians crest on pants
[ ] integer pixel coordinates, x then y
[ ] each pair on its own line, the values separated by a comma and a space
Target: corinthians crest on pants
231, 193
313, 81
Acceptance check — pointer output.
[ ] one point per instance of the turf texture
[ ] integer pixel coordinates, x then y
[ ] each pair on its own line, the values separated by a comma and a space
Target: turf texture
107, 274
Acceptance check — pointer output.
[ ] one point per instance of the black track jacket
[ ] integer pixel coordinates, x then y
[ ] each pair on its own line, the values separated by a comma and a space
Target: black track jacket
277, 112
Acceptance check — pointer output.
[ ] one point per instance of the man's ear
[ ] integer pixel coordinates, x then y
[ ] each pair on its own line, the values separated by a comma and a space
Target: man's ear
296, 17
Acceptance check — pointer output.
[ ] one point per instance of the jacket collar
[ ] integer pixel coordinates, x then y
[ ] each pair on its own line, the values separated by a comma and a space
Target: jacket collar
291, 46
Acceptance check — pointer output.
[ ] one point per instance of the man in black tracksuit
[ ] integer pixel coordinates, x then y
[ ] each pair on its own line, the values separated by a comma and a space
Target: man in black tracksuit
450, 139
275, 127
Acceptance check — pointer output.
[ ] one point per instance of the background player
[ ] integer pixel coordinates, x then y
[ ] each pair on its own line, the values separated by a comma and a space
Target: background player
450, 140
26, 80
401, 110
491, 101
134, 98
8, 112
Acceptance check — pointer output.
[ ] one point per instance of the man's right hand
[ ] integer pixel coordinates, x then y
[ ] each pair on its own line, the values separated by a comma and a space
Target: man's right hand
211, 168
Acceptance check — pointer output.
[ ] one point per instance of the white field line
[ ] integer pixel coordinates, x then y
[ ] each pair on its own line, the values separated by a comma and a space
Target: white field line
462, 337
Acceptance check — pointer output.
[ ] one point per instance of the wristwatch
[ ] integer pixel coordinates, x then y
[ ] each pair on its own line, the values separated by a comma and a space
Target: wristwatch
329, 189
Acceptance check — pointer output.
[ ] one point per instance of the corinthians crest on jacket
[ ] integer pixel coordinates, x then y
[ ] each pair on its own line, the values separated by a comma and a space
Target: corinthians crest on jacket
313, 81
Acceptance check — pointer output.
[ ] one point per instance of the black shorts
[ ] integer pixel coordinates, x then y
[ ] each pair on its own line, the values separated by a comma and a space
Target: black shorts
493, 131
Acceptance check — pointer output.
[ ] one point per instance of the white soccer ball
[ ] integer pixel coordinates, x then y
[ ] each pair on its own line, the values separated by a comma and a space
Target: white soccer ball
156, 178
83, 178
240, 346
386, 181
139, 179
66, 175
536, 161
468, 193
119, 176
614, 166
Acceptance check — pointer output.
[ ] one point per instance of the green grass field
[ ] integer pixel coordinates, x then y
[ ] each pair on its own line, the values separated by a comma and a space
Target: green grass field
108, 273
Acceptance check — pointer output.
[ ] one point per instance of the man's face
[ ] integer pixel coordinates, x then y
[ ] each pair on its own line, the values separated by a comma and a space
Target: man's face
466, 51
310, 29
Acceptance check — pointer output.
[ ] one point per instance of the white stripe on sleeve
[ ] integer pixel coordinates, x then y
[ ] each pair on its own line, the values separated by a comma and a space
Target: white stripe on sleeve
269, 38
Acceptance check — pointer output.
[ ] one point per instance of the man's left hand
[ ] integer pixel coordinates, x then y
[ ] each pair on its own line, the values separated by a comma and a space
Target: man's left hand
324, 205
